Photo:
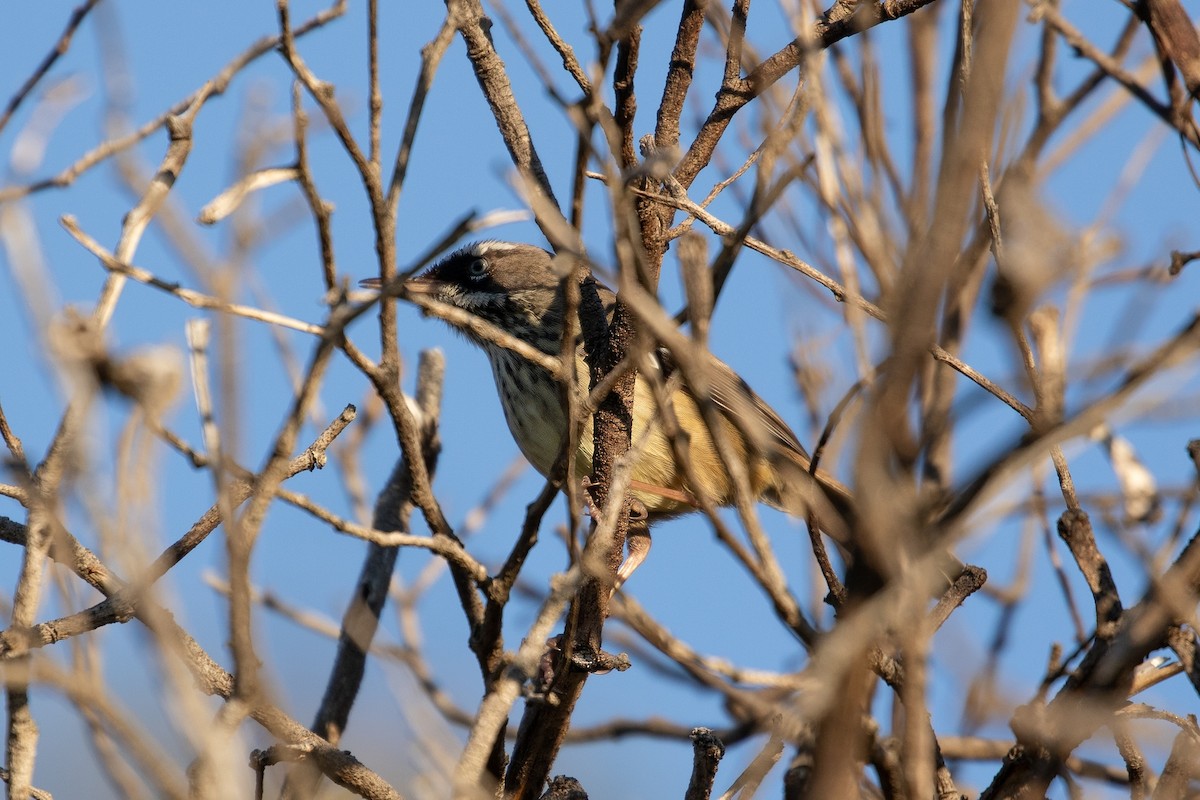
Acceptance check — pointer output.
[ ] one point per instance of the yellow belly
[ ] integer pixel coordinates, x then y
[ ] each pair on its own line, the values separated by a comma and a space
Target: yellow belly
535, 417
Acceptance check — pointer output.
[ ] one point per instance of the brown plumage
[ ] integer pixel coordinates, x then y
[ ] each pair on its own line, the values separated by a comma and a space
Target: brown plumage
517, 288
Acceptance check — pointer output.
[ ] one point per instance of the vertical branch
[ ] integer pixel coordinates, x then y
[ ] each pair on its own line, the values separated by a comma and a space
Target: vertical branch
928, 268
431, 58
474, 26
22, 734
242, 530
22, 730
317, 206
917, 742
369, 173
138, 219
393, 508
707, 752
375, 108
583, 150
625, 97
922, 40
1175, 35
385, 376
545, 724
653, 218
680, 69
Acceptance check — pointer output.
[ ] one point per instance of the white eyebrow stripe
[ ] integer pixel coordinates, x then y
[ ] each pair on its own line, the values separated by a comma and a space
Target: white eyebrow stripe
480, 248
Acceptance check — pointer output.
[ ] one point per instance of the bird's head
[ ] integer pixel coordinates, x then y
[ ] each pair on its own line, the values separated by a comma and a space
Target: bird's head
514, 286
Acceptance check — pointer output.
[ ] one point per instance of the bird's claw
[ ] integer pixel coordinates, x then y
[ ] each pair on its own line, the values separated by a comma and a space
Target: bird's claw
638, 538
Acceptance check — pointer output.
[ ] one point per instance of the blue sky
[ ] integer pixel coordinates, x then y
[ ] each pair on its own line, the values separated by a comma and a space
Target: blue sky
690, 582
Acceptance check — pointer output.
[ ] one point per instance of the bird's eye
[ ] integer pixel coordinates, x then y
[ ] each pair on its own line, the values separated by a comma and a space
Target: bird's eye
477, 268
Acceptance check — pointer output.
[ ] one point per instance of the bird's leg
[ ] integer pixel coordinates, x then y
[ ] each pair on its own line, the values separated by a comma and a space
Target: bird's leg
637, 541
593, 510
637, 538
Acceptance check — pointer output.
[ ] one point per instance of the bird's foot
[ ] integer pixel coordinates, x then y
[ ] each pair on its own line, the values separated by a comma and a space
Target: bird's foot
637, 539
638, 513
593, 510
637, 542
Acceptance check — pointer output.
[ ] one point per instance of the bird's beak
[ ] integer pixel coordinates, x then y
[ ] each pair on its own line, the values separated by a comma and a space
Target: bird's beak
420, 285
424, 285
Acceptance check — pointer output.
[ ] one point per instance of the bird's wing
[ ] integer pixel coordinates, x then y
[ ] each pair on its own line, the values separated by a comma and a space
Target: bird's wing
739, 402
770, 434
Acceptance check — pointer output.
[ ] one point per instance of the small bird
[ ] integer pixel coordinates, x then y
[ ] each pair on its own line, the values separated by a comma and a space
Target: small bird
517, 288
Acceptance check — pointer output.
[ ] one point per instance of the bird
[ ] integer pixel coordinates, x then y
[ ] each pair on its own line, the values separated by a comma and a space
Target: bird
519, 289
